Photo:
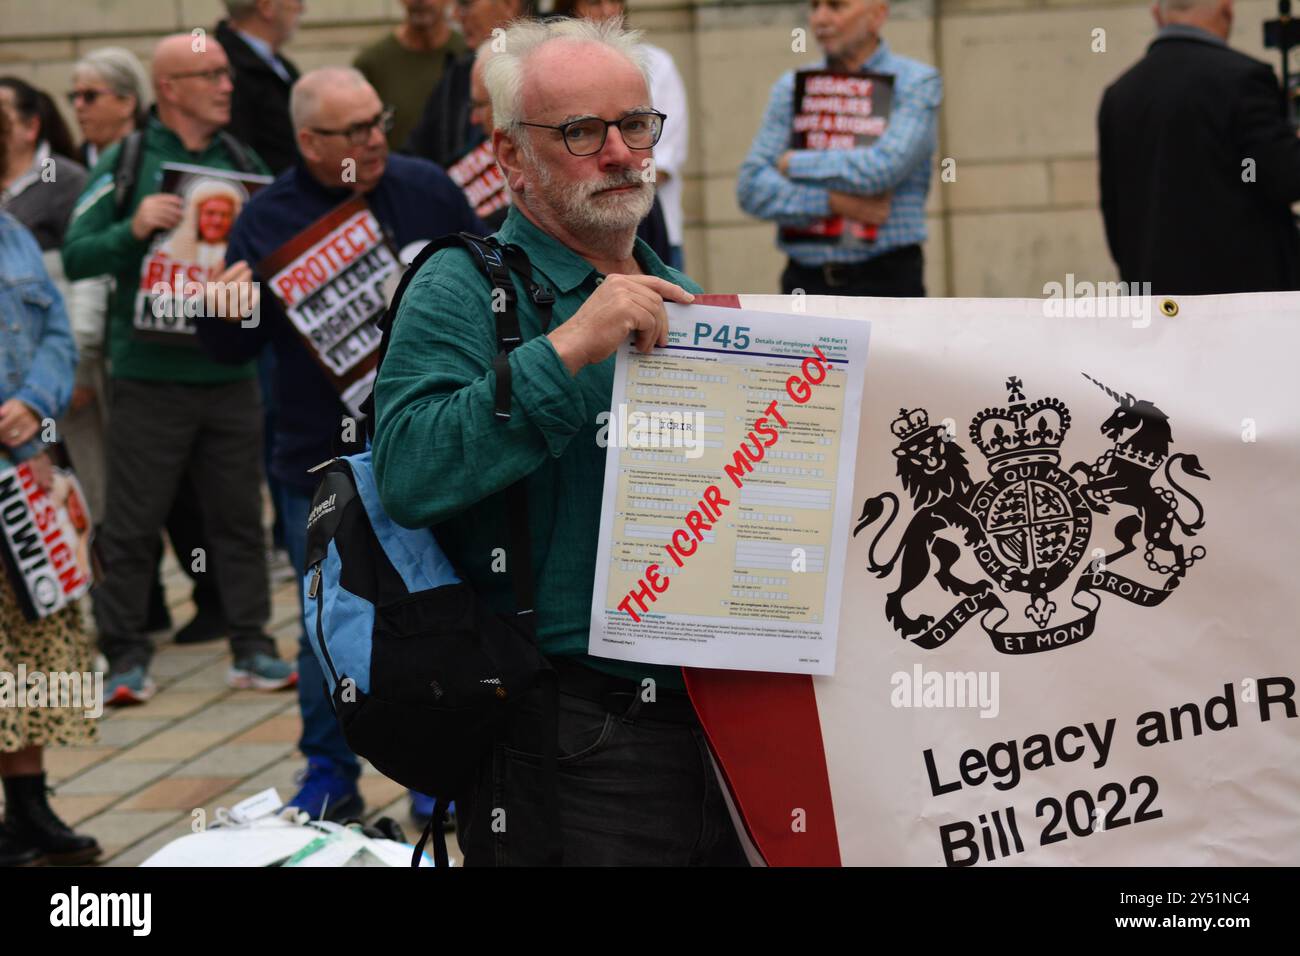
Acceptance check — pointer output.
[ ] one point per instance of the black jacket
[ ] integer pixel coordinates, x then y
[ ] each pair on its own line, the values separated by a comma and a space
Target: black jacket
259, 109
444, 132
1176, 132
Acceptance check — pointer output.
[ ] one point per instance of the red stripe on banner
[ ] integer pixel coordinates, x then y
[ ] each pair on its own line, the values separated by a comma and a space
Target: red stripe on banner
767, 737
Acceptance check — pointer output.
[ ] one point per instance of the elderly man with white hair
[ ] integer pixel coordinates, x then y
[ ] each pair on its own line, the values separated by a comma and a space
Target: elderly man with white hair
339, 125
573, 124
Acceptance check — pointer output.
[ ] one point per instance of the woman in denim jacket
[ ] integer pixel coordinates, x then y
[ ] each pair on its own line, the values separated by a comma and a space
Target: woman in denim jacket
37, 362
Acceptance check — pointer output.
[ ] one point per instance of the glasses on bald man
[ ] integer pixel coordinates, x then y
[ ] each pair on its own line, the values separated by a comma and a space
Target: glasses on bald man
208, 76
586, 136
358, 133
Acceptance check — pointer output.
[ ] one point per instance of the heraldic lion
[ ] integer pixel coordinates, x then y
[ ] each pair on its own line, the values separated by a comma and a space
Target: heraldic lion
934, 473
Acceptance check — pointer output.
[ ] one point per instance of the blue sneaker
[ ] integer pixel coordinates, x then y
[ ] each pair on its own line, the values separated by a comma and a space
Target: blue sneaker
262, 672
326, 792
131, 686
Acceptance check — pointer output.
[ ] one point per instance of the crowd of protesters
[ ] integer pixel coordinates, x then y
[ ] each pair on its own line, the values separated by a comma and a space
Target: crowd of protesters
190, 438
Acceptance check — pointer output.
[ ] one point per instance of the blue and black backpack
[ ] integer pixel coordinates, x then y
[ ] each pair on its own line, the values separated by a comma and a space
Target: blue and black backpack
419, 669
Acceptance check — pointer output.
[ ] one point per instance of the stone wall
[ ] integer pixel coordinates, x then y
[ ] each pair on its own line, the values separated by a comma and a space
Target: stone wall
1021, 89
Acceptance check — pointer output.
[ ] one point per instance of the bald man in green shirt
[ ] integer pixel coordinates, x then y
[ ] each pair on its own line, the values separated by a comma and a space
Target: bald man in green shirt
573, 124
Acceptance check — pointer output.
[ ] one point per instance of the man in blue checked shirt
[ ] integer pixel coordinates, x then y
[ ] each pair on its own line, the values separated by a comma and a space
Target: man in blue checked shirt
884, 184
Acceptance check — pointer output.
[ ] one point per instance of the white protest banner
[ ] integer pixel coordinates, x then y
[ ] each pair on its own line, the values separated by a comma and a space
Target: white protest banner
330, 279
1068, 632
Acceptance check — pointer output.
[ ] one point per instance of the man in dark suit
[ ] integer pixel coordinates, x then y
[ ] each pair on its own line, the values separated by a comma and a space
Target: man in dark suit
259, 110
1199, 165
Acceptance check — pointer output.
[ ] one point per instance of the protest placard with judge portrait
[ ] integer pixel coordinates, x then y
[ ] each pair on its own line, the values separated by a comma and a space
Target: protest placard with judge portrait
173, 274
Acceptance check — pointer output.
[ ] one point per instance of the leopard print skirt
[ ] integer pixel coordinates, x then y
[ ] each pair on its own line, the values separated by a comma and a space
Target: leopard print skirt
55, 644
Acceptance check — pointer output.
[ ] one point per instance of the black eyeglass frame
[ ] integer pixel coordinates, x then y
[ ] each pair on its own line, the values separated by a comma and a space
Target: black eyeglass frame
562, 127
358, 133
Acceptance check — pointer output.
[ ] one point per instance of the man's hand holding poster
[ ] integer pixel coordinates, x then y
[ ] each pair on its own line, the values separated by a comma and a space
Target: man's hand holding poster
332, 280
175, 273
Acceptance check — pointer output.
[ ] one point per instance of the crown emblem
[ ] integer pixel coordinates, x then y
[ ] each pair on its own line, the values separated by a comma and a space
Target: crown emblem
1023, 432
910, 423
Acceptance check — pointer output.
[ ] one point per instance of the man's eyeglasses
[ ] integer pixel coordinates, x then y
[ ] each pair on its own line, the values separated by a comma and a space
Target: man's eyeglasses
208, 76
586, 136
88, 95
358, 133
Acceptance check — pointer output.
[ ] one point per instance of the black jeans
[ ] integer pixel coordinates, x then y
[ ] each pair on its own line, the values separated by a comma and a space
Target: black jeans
158, 432
632, 790
899, 273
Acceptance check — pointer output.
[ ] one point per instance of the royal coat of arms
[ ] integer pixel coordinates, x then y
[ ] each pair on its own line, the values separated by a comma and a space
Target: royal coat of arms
1030, 524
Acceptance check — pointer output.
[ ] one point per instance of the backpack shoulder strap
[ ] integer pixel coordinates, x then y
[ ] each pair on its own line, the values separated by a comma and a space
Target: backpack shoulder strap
126, 172
239, 153
496, 262
385, 323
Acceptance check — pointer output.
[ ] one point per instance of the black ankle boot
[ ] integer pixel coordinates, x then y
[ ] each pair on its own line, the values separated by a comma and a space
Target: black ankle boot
15, 852
30, 819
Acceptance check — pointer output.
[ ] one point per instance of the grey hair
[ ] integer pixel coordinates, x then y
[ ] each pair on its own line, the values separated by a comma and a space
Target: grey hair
121, 72
304, 98
504, 74
1179, 6
239, 9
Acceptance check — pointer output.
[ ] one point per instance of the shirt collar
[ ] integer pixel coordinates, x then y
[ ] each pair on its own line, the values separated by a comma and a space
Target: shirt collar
876, 62
33, 173
1185, 31
564, 268
259, 46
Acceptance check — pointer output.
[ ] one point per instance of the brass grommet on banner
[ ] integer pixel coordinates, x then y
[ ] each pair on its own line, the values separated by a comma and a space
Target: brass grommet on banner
1169, 307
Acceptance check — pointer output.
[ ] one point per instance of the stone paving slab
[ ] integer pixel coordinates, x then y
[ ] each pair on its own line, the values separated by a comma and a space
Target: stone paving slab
63, 762
117, 776
179, 793
237, 760
119, 829
175, 744
282, 728
124, 733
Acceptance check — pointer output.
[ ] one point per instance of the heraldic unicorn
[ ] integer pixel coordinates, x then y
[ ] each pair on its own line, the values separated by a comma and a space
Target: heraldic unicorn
1028, 525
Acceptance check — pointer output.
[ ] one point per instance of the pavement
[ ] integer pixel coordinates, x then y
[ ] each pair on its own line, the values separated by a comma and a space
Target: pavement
196, 745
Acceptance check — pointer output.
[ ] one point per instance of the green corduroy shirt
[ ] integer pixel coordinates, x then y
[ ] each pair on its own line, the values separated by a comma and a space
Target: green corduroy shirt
442, 458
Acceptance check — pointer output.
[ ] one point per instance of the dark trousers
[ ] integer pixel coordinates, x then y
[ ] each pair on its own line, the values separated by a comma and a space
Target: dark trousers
899, 273
157, 433
184, 525
633, 790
